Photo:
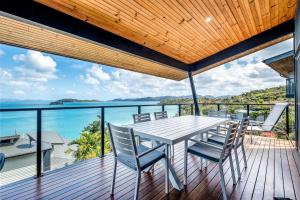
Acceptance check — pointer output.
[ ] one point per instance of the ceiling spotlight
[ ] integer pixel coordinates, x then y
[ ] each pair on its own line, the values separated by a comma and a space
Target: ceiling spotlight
208, 19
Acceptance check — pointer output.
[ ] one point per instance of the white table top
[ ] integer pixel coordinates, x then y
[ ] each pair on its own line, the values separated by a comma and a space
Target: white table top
176, 129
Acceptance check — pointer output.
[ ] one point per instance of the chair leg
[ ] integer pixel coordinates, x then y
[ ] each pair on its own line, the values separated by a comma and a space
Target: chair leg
167, 170
137, 185
251, 134
173, 151
244, 155
201, 161
232, 169
185, 162
237, 163
114, 177
222, 181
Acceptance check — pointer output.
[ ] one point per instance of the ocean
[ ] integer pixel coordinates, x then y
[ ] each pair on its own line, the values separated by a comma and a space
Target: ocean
69, 123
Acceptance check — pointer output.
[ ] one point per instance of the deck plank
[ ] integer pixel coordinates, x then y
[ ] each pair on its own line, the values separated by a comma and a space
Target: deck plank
278, 183
271, 171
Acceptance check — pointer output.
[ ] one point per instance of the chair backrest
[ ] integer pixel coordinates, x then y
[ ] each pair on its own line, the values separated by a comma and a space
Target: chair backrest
2, 160
229, 140
242, 131
122, 140
144, 117
240, 116
274, 116
214, 113
260, 118
160, 115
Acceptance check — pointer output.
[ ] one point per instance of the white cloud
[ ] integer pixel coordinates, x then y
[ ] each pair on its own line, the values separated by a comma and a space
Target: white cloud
19, 57
71, 92
4, 74
1, 52
19, 92
41, 62
36, 66
116, 74
95, 75
89, 80
237, 79
97, 72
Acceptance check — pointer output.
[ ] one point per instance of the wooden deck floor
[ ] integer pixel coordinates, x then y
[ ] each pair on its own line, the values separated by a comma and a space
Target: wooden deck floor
271, 172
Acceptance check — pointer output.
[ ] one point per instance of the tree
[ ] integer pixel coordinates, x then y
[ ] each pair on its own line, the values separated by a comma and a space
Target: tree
89, 142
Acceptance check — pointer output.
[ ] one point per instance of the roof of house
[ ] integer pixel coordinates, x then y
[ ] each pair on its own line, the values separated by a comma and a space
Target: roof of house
49, 137
283, 63
22, 147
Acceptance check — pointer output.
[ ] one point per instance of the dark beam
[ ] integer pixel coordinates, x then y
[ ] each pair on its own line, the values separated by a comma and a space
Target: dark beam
44, 15
197, 110
255, 41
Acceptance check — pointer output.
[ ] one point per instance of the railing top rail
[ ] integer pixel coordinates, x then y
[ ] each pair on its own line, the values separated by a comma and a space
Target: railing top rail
83, 107
124, 106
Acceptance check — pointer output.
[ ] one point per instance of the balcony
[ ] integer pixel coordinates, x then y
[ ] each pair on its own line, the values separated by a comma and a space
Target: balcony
169, 39
271, 171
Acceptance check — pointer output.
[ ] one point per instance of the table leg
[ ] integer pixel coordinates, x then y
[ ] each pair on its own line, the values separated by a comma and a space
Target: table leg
176, 183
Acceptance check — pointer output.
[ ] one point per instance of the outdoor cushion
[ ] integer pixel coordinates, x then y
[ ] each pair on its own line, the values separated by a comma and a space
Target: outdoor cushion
216, 139
204, 151
145, 161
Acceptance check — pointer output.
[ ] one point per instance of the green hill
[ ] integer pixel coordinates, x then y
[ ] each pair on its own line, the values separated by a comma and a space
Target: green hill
269, 95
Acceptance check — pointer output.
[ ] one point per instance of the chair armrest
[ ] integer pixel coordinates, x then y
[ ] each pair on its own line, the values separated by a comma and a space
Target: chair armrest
217, 134
255, 123
150, 150
206, 144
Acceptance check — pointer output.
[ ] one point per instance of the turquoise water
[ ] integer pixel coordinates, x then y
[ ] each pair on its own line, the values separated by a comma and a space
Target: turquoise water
69, 123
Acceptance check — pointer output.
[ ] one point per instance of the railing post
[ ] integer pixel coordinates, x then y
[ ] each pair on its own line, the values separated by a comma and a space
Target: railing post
179, 109
192, 109
218, 107
39, 143
287, 125
163, 107
139, 110
248, 110
102, 130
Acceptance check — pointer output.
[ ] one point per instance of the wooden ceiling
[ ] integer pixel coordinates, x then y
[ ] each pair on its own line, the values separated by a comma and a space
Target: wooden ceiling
186, 30
33, 36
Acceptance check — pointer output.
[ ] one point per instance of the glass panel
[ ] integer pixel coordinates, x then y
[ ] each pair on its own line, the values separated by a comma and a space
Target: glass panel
172, 110
204, 108
120, 115
19, 151
151, 110
69, 136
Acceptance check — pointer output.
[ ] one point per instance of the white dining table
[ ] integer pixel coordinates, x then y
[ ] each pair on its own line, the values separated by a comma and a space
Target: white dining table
175, 130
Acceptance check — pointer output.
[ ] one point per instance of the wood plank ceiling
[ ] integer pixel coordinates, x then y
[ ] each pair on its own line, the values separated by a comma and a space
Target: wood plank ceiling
19, 33
187, 30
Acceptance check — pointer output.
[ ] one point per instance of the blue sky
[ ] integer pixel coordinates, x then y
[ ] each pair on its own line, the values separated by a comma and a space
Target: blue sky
26, 74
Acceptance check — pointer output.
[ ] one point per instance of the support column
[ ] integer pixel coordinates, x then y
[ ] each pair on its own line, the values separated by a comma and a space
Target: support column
197, 110
297, 75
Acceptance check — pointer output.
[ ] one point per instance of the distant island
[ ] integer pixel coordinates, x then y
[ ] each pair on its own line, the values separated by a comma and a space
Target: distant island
62, 101
161, 98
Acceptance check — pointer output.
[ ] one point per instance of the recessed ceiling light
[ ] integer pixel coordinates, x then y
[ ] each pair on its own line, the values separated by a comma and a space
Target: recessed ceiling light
208, 19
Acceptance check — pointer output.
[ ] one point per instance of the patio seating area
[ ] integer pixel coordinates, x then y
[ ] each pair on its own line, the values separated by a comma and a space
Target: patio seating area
174, 40
271, 173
